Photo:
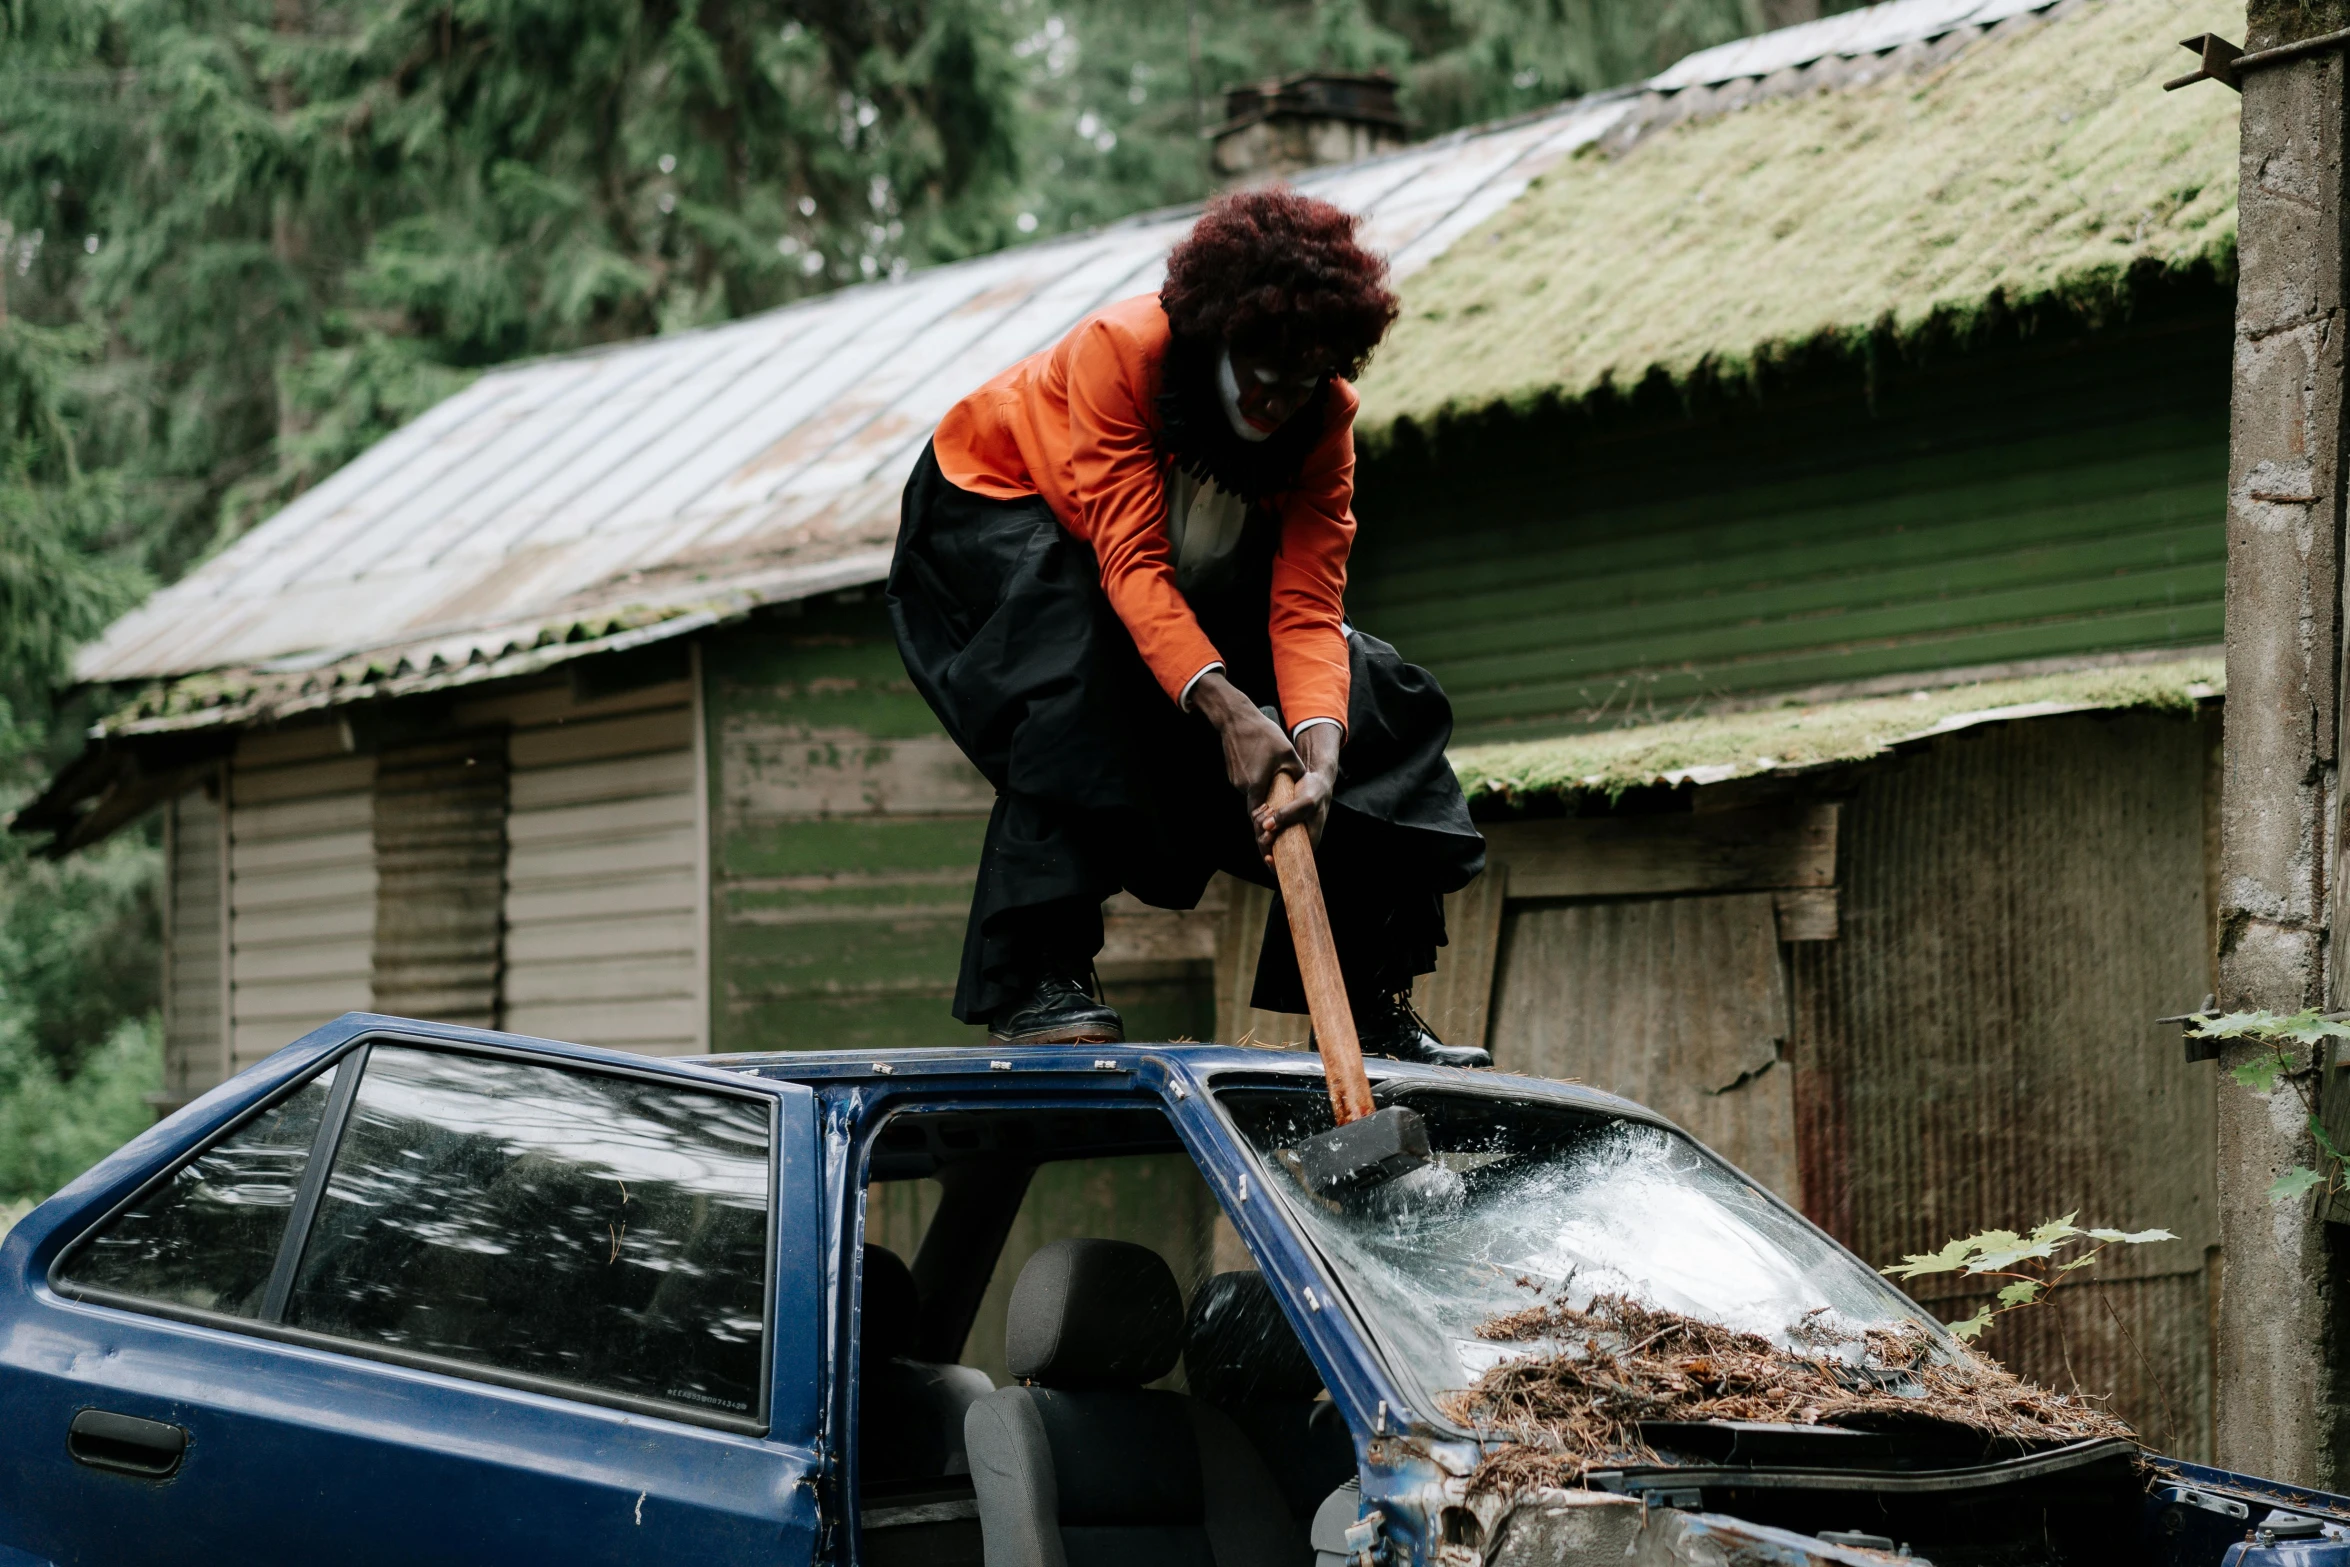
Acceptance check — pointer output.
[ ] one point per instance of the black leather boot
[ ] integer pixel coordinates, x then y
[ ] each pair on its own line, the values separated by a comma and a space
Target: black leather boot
1389, 1026
1059, 1010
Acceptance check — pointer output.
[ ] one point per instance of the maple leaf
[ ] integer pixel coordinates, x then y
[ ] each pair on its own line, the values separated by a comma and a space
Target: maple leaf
2293, 1183
2007, 1257
2261, 1073
1972, 1328
2304, 1027
2021, 1293
1948, 1260
2133, 1237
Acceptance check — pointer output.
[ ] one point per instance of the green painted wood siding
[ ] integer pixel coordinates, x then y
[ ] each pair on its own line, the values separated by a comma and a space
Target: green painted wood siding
2052, 513
845, 833
845, 829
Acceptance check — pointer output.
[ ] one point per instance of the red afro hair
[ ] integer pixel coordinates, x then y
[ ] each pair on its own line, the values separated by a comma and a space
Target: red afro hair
1275, 273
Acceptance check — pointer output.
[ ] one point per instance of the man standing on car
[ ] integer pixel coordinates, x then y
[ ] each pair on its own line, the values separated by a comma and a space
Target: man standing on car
1119, 583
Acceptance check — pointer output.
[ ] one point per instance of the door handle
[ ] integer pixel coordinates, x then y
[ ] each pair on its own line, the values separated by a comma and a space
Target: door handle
126, 1444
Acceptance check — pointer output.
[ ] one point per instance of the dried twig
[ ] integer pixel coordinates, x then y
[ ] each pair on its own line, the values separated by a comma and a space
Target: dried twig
1564, 1414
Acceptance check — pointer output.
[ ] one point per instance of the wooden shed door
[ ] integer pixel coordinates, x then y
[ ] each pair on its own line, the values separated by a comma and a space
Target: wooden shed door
1678, 1003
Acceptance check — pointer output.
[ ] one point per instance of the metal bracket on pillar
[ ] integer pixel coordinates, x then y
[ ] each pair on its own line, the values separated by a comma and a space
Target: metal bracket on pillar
2224, 62
2198, 1047
2219, 63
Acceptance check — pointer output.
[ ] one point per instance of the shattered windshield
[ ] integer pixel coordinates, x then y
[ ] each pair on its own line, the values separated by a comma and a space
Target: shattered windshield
1534, 1204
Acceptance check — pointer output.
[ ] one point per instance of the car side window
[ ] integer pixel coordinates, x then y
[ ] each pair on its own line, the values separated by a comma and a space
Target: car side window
603, 1230
209, 1237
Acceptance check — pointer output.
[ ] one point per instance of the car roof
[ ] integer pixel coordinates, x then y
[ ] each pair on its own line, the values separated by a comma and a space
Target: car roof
1201, 1062
1198, 1060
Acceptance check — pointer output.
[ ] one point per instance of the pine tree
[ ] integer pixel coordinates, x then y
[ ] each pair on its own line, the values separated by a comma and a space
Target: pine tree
240, 240
295, 223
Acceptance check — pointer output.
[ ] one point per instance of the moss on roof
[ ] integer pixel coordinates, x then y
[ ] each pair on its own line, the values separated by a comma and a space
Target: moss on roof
1716, 747
2043, 163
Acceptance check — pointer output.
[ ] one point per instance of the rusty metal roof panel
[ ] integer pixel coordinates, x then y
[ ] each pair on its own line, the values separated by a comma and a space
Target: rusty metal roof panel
891, 410
1870, 30
555, 505
1419, 222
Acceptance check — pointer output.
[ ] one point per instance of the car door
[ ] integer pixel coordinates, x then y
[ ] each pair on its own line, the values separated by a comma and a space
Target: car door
430, 1295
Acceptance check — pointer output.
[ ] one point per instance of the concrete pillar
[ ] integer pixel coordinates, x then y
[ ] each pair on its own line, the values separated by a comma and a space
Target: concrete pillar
2281, 1348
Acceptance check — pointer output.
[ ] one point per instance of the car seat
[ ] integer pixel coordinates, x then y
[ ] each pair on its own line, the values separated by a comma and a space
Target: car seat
1241, 1355
1082, 1465
909, 1412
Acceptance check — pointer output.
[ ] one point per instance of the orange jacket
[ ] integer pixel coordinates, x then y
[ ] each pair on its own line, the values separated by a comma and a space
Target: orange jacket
1076, 424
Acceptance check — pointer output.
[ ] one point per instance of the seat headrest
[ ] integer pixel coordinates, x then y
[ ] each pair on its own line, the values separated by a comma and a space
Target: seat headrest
891, 1315
1239, 1349
1089, 1313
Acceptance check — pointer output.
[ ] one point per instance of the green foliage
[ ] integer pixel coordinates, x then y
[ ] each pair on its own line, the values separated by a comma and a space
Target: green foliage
80, 949
2301, 1028
2277, 1062
53, 1128
2261, 1073
80, 1041
2294, 1182
2029, 1262
297, 222
62, 576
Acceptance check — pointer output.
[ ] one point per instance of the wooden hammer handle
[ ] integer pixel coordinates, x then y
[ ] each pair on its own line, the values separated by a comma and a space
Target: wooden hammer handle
1317, 963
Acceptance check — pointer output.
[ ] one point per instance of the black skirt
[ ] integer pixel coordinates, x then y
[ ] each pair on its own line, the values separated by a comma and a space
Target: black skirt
1103, 784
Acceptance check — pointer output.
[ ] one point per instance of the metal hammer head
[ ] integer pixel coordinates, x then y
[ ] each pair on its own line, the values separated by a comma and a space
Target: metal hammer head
1369, 1152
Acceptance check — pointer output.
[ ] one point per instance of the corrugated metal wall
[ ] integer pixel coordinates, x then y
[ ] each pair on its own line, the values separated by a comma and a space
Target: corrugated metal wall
1678, 1003
1557, 574
195, 943
440, 857
301, 896
1978, 1048
604, 928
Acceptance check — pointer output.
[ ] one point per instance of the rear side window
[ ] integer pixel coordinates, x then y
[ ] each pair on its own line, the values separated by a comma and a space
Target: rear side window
209, 1237
606, 1231
478, 1211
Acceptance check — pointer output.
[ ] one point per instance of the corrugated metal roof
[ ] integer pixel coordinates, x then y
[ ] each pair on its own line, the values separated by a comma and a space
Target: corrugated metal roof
754, 462
1914, 196
568, 505
1871, 30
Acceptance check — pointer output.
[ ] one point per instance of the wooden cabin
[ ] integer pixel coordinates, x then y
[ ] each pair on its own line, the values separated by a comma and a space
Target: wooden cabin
1806, 473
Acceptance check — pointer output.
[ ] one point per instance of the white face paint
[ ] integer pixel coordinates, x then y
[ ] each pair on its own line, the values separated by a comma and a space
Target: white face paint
1228, 393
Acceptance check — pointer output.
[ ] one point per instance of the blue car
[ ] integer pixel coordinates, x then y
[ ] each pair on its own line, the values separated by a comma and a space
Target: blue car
410, 1293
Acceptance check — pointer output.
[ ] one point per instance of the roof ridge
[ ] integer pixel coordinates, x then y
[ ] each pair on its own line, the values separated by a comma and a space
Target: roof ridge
1874, 29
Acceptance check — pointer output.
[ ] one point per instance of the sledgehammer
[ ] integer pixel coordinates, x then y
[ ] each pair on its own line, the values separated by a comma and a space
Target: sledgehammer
1368, 1146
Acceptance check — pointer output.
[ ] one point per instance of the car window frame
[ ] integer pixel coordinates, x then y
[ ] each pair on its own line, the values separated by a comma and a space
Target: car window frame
877, 1102
310, 1195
